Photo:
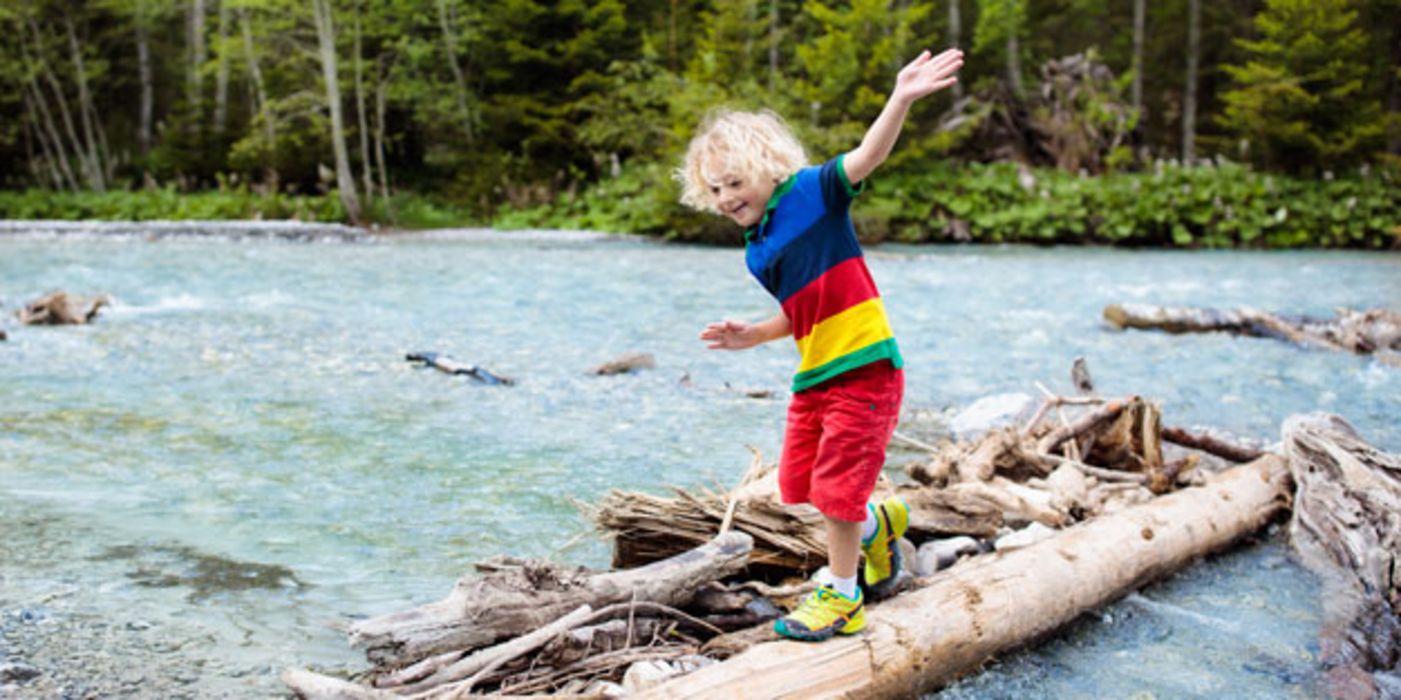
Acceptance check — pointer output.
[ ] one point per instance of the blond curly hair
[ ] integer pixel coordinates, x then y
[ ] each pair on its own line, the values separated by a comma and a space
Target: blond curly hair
756, 146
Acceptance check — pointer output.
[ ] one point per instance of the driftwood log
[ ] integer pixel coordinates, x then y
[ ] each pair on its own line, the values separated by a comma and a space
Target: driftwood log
59, 308
1373, 332
1346, 528
520, 598
956, 620
788, 539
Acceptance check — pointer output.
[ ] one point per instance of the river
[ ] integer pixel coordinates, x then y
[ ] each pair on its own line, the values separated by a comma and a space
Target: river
235, 458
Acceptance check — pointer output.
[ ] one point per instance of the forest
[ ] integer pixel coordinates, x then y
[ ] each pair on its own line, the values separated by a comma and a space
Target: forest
1245, 123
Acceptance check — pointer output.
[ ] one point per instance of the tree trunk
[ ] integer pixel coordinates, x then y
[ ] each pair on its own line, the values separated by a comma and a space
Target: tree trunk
1347, 529
326, 40
60, 154
379, 142
144, 74
367, 176
90, 171
481, 611
955, 36
256, 73
221, 78
1140, 11
1014, 51
923, 639
194, 87
46, 156
459, 79
85, 109
1189, 94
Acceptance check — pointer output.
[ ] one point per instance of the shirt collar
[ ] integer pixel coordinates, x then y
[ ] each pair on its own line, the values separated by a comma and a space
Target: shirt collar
755, 233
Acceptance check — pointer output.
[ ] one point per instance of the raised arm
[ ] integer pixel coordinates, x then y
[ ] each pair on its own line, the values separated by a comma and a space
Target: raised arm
925, 75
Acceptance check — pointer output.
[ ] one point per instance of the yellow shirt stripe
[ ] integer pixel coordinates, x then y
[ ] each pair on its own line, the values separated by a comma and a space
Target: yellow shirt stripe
852, 329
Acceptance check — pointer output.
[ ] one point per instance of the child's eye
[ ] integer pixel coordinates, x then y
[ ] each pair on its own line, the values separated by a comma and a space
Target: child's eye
715, 189
735, 183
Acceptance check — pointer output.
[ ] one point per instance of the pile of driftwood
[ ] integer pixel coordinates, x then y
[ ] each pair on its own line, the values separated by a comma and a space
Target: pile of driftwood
1012, 535
1375, 332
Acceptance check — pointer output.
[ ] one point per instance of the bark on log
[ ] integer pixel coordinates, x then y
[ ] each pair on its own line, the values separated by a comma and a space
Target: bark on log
1347, 528
924, 639
483, 610
1084, 424
1211, 444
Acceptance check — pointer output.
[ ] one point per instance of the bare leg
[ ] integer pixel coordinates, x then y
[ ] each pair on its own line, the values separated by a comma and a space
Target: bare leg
843, 546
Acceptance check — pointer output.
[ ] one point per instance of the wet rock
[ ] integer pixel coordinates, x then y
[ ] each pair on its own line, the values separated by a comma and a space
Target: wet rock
606, 689
624, 364
646, 674
940, 554
19, 672
138, 625
58, 308
992, 412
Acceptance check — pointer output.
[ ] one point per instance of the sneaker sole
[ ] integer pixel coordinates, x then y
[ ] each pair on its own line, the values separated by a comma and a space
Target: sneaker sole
821, 635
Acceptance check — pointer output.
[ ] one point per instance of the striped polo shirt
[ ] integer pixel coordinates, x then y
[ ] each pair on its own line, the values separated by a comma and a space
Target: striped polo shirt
804, 252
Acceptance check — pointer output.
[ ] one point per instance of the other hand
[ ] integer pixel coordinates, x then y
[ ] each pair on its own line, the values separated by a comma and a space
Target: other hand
730, 335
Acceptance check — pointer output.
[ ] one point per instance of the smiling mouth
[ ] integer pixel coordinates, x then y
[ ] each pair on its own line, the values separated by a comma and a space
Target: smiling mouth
738, 209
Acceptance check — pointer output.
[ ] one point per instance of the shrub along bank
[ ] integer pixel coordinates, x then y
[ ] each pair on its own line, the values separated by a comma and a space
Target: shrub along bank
1221, 206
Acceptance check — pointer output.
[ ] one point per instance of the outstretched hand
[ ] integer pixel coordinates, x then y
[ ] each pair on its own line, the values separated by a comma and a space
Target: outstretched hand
927, 74
731, 335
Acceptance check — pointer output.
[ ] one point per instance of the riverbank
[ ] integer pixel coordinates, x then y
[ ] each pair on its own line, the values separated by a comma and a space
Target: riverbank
1212, 206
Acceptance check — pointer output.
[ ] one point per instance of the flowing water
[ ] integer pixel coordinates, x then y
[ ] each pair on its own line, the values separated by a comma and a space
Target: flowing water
235, 457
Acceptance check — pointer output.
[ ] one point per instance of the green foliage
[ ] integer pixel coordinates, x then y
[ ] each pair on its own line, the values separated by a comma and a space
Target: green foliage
1206, 207
1298, 99
1223, 206
847, 67
168, 204
572, 113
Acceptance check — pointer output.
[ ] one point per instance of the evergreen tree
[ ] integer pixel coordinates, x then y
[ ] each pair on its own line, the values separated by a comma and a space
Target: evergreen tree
1299, 100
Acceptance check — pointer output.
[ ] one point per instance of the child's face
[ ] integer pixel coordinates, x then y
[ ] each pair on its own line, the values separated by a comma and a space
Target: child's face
739, 199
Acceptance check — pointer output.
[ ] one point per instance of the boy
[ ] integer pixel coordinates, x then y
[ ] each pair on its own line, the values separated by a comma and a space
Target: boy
800, 244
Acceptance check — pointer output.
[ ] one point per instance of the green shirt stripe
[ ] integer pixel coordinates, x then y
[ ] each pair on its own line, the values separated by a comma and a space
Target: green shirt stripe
875, 352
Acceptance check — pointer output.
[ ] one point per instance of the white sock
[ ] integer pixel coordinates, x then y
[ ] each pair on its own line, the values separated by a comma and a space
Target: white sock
844, 585
869, 525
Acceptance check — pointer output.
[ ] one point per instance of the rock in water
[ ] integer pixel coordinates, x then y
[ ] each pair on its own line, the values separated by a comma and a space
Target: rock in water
626, 363
992, 412
18, 672
58, 308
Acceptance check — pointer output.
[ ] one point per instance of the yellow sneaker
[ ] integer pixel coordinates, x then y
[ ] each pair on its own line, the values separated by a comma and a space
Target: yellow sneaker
822, 614
883, 560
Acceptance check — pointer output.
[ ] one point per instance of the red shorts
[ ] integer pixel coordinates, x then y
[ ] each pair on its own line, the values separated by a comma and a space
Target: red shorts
834, 446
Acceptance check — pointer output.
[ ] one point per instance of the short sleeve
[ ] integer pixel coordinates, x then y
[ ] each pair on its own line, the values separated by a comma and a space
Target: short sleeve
837, 190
